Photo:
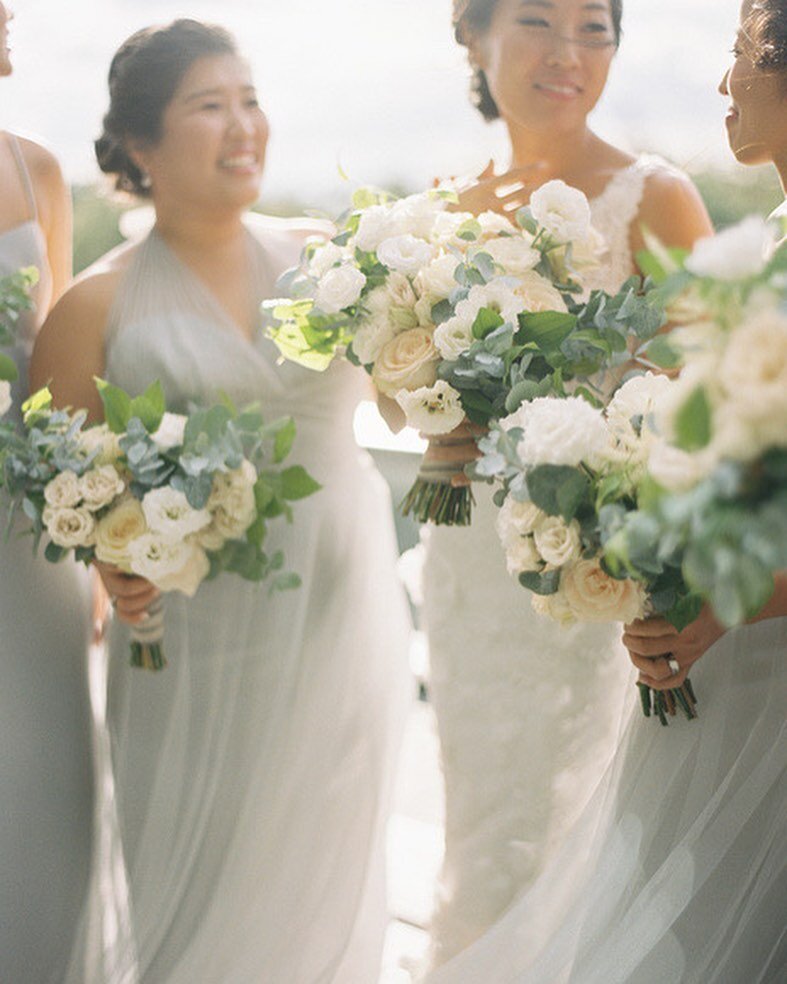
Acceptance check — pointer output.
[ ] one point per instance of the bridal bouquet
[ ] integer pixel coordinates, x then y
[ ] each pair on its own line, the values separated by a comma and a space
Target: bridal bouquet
570, 473
176, 499
14, 299
719, 502
458, 317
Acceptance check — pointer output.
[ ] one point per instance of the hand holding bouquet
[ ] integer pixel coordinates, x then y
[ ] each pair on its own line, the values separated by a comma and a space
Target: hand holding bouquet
172, 498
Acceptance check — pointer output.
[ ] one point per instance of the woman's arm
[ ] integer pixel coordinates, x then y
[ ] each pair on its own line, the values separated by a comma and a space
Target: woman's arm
652, 642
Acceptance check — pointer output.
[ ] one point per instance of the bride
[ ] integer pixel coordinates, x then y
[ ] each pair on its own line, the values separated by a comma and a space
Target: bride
252, 773
528, 712
676, 869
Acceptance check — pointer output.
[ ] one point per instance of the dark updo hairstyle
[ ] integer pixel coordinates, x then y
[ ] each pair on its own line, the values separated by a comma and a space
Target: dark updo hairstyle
143, 77
766, 30
473, 17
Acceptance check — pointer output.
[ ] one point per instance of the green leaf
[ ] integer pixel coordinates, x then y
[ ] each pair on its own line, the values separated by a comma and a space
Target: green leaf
288, 581
297, 483
117, 405
38, 402
685, 611
541, 584
555, 488
150, 407
693, 429
662, 353
8, 370
548, 329
285, 437
485, 322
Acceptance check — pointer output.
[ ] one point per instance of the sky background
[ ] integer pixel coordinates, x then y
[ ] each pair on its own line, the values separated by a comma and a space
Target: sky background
376, 86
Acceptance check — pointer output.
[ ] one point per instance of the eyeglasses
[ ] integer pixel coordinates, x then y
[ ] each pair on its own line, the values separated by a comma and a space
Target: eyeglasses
549, 36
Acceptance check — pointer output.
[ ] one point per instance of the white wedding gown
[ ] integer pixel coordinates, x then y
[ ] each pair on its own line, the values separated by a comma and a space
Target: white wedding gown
528, 712
46, 782
252, 774
677, 869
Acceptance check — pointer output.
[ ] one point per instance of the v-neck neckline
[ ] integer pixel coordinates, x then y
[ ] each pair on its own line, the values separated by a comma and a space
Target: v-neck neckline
209, 295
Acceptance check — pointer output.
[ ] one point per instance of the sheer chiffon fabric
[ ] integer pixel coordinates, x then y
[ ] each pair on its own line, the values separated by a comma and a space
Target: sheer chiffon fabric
676, 869
252, 774
528, 712
45, 767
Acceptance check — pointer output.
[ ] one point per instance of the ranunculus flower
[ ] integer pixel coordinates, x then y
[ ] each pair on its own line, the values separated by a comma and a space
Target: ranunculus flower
168, 513
406, 253
69, 527
171, 431
739, 252
171, 565
560, 432
340, 288
408, 361
558, 542
63, 490
432, 409
594, 596
115, 531
100, 486
562, 211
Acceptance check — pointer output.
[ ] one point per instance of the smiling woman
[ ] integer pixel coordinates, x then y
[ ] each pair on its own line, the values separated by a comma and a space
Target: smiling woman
252, 773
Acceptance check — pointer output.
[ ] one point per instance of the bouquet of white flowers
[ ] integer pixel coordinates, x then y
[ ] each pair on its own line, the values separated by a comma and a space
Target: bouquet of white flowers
458, 317
172, 498
14, 299
569, 473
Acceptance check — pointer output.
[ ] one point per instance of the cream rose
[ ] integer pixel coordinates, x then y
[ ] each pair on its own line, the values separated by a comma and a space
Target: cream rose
558, 542
69, 527
594, 596
63, 490
432, 409
100, 486
117, 530
408, 361
171, 565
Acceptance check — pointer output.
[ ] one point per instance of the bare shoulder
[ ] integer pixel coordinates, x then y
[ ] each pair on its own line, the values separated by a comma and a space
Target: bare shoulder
672, 207
40, 161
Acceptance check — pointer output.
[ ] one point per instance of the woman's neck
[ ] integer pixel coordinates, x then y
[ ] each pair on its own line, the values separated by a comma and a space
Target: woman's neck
205, 231
558, 153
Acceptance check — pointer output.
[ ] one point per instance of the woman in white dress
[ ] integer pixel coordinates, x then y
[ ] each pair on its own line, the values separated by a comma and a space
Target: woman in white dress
252, 773
528, 712
676, 871
46, 791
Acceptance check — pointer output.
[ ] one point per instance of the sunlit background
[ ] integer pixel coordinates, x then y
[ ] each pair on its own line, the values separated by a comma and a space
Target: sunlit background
377, 86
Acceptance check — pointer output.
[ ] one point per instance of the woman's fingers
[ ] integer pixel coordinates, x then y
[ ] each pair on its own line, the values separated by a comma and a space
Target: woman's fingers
651, 627
644, 646
656, 669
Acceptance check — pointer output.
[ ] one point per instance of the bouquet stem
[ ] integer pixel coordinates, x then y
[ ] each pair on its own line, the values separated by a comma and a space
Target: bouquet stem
434, 498
147, 650
664, 703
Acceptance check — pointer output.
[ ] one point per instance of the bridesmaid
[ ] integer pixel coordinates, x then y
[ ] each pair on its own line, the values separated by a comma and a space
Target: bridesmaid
45, 767
252, 773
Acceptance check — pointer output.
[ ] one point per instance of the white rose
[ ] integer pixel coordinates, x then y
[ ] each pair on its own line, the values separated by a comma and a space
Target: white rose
324, 258
437, 280
405, 253
5, 396
170, 565
171, 431
100, 486
69, 527
513, 253
497, 296
594, 596
376, 224
493, 224
522, 556
753, 369
116, 530
739, 252
561, 432
63, 490
168, 513
553, 606
340, 288
408, 361
562, 211
536, 293
103, 441
558, 542
432, 409
373, 335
